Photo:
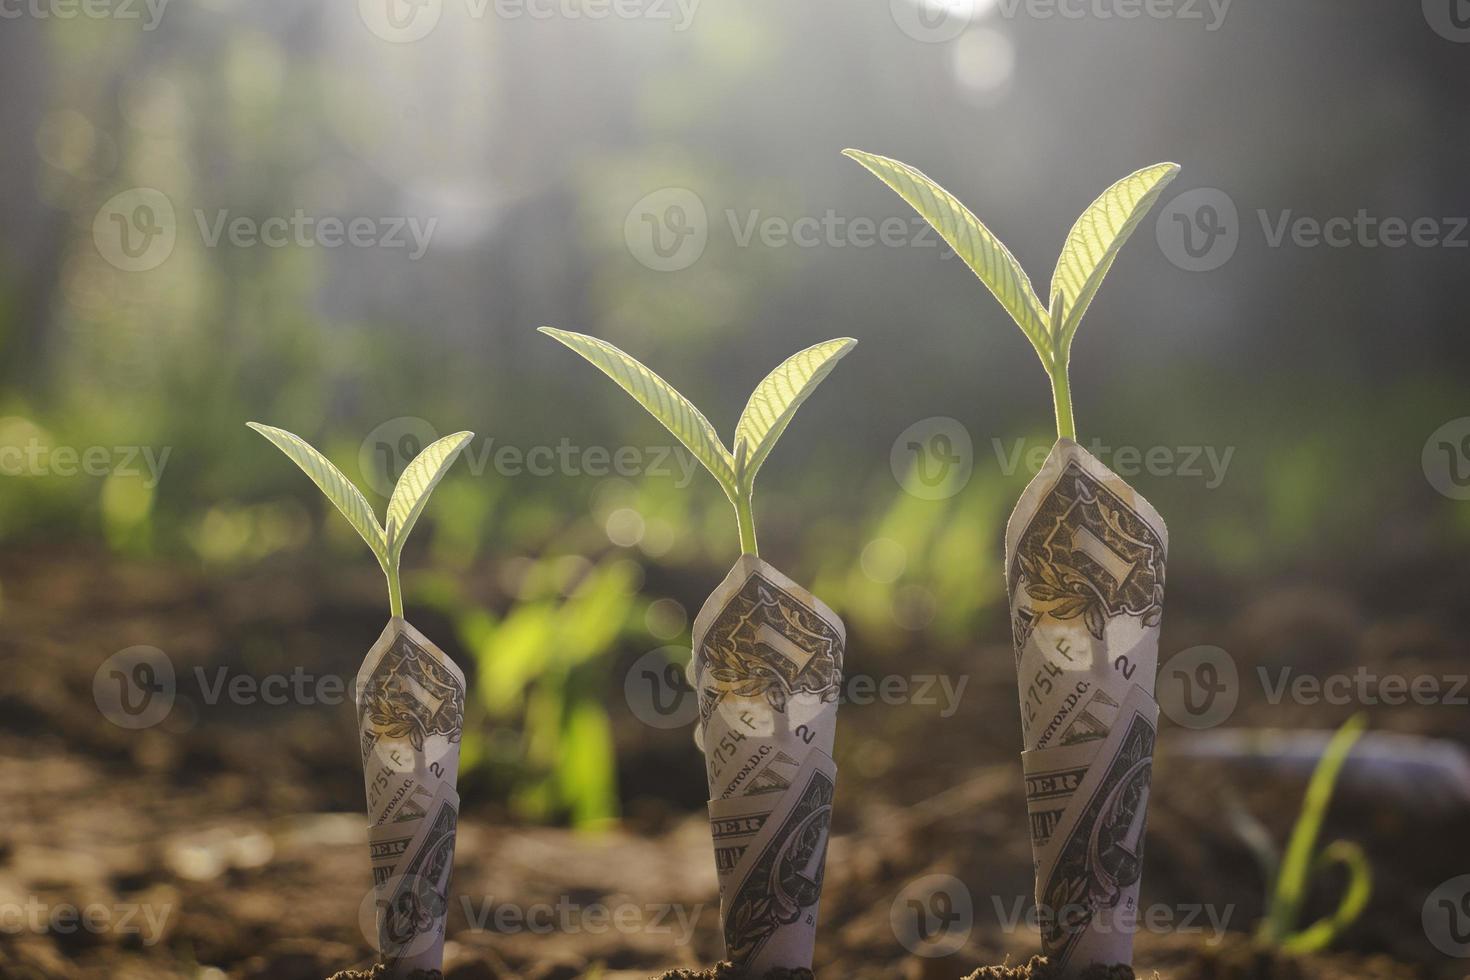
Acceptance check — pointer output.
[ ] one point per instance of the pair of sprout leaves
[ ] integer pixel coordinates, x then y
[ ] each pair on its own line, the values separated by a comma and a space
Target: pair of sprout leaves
1088, 253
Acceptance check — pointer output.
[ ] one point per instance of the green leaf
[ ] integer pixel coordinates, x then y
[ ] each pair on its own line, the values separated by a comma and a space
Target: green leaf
415, 484
972, 241
1296, 867
1094, 242
675, 411
1320, 934
776, 399
338, 489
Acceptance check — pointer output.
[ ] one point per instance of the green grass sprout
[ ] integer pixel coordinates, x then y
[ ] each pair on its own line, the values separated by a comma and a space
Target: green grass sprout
404, 507
769, 410
1302, 860
1090, 249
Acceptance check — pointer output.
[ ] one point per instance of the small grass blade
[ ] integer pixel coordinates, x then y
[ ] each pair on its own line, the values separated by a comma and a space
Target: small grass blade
990, 260
676, 412
1320, 934
337, 488
1296, 866
775, 400
417, 481
1094, 242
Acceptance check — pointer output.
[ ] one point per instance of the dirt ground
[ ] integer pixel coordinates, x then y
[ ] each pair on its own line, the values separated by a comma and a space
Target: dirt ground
227, 841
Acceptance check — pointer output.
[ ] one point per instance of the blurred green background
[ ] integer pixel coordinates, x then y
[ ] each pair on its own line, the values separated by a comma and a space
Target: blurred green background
564, 169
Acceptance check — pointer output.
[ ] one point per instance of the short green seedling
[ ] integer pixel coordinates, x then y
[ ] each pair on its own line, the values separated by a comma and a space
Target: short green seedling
767, 413
1303, 860
1090, 249
410, 495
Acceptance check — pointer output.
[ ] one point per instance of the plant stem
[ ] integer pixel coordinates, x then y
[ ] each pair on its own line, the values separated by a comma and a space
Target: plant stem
395, 593
746, 519
1061, 395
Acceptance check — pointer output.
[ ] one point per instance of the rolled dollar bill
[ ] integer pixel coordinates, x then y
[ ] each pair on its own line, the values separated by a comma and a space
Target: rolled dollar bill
1085, 572
767, 671
410, 714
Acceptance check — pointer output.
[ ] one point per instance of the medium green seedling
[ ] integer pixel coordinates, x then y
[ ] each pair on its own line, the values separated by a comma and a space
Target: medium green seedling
1088, 253
769, 410
410, 495
1302, 860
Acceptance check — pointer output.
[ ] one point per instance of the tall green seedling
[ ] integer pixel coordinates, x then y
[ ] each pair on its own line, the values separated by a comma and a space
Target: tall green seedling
769, 410
410, 495
1088, 253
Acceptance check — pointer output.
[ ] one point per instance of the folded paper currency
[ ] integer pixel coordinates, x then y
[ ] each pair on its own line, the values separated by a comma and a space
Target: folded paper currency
410, 710
1085, 572
767, 671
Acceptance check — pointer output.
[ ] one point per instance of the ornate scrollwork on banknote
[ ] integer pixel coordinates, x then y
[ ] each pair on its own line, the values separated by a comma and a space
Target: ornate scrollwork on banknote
779, 879
416, 899
1087, 553
411, 695
1097, 867
768, 672
767, 643
410, 713
1085, 557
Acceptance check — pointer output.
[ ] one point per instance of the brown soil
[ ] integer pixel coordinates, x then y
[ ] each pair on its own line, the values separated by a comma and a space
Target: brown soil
381, 973
728, 971
241, 826
1039, 969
